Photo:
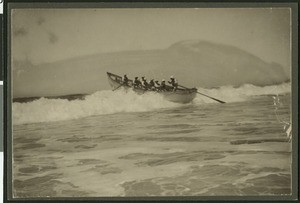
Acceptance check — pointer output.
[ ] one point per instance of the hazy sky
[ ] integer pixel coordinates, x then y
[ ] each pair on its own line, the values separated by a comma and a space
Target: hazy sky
47, 35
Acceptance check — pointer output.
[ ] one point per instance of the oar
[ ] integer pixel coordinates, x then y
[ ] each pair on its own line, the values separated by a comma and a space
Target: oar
212, 98
118, 87
205, 95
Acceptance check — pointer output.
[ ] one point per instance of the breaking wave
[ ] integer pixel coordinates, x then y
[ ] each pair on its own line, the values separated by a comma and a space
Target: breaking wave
108, 102
231, 94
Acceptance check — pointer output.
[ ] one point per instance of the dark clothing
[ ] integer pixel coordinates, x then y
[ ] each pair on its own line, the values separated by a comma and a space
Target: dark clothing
145, 84
174, 84
163, 85
157, 85
136, 83
125, 80
151, 84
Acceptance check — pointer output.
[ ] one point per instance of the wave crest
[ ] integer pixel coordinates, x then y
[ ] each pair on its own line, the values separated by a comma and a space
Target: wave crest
231, 94
108, 102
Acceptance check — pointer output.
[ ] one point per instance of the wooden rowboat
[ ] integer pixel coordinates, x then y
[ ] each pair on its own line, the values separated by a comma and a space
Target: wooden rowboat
181, 95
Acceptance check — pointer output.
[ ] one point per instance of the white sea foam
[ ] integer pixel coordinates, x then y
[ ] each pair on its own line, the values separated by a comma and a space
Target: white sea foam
99, 103
230, 94
109, 102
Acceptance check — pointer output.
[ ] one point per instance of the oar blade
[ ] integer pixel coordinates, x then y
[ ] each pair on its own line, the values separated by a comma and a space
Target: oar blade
222, 102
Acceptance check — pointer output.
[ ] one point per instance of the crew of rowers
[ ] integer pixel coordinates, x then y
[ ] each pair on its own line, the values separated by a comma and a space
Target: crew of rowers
151, 85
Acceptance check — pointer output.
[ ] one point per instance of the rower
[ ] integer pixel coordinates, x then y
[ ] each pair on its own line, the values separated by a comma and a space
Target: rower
144, 83
157, 85
173, 82
163, 85
136, 82
125, 79
152, 84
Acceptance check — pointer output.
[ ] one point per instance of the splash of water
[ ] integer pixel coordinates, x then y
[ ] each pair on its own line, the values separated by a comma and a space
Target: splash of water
230, 94
99, 103
108, 102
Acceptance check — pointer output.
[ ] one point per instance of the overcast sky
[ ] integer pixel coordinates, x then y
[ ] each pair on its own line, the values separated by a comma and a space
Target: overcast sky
48, 35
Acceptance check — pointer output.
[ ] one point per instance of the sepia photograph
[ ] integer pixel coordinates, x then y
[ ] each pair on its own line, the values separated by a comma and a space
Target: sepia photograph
151, 102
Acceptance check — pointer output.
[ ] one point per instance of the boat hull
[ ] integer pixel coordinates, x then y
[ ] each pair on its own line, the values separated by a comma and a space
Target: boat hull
179, 96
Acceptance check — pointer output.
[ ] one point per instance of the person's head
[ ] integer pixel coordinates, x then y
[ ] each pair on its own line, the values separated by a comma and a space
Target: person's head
152, 80
136, 78
172, 77
163, 80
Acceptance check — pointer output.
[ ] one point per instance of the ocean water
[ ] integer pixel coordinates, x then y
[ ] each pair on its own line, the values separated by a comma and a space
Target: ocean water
121, 144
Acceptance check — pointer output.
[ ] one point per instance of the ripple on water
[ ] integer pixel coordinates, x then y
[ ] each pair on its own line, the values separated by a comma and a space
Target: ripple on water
274, 183
29, 187
171, 139
175, 157
46, 186
30, 146
142, 188
35, 169
91, 161
210, 180
104, 169
166, 126
174, 132
85, 146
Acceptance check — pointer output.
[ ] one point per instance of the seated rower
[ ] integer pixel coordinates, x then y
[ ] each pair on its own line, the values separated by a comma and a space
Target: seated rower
173, 82
157, 85
163, 85
144, 83
136, 82
152, 84
125, 80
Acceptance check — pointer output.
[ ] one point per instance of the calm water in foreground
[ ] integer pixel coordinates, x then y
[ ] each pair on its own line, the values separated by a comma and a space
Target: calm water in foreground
179, 151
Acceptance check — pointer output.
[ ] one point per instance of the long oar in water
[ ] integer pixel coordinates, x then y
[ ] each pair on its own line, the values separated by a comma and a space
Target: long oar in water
118, 87
205, 95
